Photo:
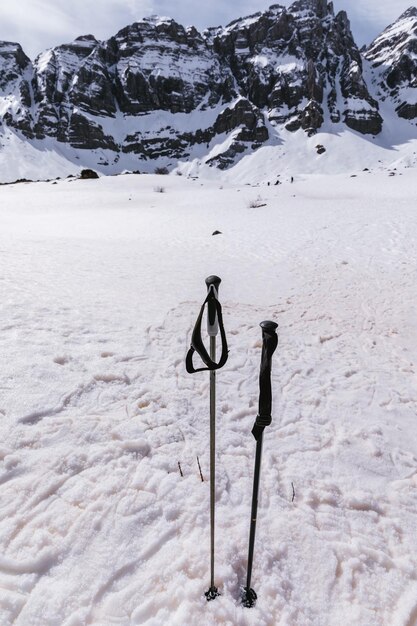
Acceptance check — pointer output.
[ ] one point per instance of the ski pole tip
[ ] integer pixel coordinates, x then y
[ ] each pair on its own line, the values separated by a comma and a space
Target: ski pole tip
212, 594
249, 597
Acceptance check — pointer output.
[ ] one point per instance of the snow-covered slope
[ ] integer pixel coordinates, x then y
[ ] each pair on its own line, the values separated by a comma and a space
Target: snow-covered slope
101, 284
393, 57
286, 154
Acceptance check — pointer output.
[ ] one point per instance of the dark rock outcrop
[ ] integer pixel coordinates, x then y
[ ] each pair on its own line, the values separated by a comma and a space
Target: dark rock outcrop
241, 119
15, 91
160, 65
88, 174
293, 62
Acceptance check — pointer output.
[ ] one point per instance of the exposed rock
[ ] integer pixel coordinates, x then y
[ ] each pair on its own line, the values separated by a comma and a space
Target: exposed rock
245, 115
55, 85
241, 117
227, 158
88, 174
407, 110
16, 73
84, 133
285, 59
161, 65
364, 121
311, 117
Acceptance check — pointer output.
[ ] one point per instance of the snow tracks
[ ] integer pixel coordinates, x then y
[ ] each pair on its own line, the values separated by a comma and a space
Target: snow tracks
99, 527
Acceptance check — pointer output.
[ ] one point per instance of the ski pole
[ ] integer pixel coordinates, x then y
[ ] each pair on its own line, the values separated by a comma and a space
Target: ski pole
269, 344
212, 283
214, 325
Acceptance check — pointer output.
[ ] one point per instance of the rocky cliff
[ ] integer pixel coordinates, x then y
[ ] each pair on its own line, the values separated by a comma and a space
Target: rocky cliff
302, 65
16, 75
157, 90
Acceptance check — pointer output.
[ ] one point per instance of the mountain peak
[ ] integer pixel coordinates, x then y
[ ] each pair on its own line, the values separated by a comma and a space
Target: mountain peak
157, 20
86, 39
319, 7
394, 36
12, 50
410, 12
9, 47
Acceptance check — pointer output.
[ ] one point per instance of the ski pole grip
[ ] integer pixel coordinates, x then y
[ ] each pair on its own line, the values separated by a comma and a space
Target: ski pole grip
212, 283
269, 344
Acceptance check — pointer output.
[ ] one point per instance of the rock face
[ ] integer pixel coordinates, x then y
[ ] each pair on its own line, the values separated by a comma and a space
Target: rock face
294, 61
158, 64
393, 58
16, 73
153, 65
159, 91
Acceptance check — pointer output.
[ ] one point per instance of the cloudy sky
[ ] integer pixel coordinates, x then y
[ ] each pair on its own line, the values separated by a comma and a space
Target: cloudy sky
39, 24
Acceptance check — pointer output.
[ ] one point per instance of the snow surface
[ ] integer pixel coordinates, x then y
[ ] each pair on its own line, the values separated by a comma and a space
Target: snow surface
101, 282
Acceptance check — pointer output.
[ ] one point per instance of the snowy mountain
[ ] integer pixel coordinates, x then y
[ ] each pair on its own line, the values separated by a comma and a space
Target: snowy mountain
158, 93
16, 75
301, 65
393, 56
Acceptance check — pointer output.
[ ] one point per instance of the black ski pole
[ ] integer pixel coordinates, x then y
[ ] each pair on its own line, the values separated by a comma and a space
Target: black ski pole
214, 324
269, 344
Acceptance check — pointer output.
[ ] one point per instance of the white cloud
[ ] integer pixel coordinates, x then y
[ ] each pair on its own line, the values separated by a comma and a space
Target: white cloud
39, 24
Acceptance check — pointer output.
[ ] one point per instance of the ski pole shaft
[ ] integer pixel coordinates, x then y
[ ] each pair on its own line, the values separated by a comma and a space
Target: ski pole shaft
212, 456
254, 509
212, 283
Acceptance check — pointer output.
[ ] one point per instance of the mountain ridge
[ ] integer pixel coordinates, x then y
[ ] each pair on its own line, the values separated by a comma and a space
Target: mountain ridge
157, 92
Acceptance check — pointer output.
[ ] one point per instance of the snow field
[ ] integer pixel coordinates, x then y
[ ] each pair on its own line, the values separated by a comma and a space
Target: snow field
101, 282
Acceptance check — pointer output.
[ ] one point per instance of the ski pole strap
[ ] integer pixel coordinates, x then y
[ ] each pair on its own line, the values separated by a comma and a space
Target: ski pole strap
197, 344
269, 344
